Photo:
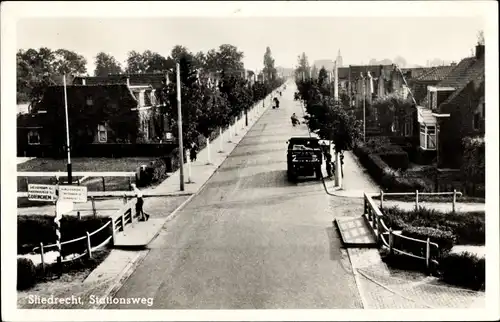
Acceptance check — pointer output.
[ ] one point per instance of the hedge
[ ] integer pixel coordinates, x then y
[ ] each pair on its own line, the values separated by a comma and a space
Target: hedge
468, 228
389, 179
26, 273
396, 160
464, 269
33, 229
444, 238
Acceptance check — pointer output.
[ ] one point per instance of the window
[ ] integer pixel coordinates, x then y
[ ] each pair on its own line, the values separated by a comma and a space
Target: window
145, 129
102, 133
428, 137
476, 121
33, 137
89, 101
408, 127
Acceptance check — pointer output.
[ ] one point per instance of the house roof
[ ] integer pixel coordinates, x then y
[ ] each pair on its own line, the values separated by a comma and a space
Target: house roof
153, 79
469, 70
54, 95
375, 70
435, 73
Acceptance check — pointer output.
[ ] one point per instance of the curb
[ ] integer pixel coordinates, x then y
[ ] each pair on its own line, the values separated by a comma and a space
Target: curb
123, 276
130, 268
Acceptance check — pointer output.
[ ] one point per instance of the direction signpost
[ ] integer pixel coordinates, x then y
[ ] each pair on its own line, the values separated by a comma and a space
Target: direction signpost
64, 198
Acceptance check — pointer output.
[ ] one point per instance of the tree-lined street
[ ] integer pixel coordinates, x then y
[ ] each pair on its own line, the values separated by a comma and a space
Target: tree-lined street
250, 239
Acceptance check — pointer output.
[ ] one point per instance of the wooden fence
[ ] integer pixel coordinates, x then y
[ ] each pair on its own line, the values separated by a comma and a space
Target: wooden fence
119, 221
388, 238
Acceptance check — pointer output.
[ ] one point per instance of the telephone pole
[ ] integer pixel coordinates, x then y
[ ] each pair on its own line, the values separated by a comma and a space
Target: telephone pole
179, 125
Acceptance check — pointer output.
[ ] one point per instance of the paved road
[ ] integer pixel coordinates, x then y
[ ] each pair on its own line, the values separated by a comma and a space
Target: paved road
250, 239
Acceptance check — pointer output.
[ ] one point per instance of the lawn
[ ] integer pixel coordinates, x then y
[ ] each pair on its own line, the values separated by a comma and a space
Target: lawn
83, 165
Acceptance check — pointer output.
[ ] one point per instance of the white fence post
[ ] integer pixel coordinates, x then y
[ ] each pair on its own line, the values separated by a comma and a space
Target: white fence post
113, 232
42, 259
391, 241
454, 200
188, 159
123, 219
427, 252
221, 137
208, 151
381, 199
416, 200
89, 246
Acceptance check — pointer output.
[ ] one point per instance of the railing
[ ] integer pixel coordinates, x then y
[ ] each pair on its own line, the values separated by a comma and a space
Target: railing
381, 231
417, 194
124, 216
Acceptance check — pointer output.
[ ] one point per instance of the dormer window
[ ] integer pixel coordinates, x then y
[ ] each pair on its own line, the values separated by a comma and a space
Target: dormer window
437, 95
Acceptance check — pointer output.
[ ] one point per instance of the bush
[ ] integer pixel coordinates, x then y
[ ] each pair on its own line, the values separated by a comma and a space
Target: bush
464, 269
468, 228
155, 172
396, 160
33, 229
26, 273
444, 238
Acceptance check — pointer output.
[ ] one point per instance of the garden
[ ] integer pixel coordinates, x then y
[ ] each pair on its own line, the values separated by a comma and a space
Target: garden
35, 229
447, 229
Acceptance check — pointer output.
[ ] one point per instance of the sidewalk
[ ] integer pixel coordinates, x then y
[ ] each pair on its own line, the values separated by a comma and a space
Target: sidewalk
384, 288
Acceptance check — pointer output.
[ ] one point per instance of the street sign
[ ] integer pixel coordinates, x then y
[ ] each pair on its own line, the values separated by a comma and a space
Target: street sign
41, 192
73, 193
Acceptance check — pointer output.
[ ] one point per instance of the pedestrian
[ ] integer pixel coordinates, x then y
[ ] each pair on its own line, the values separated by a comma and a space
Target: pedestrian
342, 163
193, 152
139, 206
328, 159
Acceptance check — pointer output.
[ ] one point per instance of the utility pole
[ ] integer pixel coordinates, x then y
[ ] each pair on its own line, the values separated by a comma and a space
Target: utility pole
179, 125
364, 108
70, 178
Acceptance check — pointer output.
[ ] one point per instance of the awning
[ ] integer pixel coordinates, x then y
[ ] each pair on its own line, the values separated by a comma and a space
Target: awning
425, 116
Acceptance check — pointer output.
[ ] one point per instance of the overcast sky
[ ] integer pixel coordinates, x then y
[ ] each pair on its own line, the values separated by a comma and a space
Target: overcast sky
359, 39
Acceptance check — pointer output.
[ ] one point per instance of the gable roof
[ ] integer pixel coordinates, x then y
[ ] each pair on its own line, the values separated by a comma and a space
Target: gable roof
437, 73
469, 70
375, 70
153, 79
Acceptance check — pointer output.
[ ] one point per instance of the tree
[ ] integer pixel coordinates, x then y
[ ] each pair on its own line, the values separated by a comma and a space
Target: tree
147, 62
69, 62
303, 68
37, 69
389, 108
269, 69
106, 64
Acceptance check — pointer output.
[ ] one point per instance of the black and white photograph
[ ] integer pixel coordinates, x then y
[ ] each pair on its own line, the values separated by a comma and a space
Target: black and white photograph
273, 160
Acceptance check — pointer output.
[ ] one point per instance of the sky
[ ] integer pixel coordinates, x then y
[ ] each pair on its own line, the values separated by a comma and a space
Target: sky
359, 39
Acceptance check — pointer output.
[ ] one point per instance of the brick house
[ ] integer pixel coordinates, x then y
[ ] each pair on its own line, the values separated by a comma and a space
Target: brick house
454, 109
101, 110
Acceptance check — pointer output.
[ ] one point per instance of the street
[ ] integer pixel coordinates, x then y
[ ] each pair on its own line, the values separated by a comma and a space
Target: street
250, 239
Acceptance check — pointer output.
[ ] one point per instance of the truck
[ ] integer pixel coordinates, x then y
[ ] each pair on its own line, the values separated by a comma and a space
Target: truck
304, 158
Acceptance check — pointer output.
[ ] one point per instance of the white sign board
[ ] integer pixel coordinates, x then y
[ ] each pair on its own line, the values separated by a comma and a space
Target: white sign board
41, 192
73, 193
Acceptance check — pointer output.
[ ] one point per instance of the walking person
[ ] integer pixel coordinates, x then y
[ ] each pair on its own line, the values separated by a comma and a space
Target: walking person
328, 159
193, 152
139, 206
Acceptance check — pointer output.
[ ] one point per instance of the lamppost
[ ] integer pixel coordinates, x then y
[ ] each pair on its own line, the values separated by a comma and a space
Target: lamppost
364, 108
179, 125
68, 166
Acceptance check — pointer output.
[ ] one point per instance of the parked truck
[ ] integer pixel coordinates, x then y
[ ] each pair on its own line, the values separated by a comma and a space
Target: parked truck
304, 158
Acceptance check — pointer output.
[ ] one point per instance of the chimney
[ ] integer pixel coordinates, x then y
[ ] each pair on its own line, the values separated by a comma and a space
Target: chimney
479, 51
84, 82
